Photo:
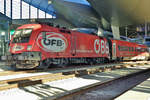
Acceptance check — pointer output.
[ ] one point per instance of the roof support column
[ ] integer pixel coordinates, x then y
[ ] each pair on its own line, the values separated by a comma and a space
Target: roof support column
45, 14
100, 31
126, 30
37, 13
20, 9
116, 32
11, 9
5, 7
29, 11
145, 28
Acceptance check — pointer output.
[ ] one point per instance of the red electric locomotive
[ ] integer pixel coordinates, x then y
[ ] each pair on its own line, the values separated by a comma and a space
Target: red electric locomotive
38, 45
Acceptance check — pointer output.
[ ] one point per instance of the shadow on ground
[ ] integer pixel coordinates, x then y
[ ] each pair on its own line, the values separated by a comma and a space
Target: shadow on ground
43, 90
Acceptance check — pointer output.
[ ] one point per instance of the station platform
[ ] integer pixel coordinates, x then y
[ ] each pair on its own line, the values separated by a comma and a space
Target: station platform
140, 92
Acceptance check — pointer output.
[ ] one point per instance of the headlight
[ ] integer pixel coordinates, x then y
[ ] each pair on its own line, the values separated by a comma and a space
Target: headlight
29, 47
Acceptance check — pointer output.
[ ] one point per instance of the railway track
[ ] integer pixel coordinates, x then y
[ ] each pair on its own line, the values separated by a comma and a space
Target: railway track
54, 75
50, 76
122, 64
108, 90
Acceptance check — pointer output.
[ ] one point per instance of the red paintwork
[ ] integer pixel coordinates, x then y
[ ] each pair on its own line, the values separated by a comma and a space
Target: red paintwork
128, 44
78, 44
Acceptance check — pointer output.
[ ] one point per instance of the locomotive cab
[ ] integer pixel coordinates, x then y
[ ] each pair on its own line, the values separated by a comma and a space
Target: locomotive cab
22, 48
22, 35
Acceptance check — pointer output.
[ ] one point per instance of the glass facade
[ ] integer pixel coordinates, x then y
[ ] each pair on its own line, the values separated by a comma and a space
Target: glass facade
19, 9
26, 9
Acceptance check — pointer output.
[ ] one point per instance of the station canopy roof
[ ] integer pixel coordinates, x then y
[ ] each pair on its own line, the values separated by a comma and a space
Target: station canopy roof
85, 2
42, 5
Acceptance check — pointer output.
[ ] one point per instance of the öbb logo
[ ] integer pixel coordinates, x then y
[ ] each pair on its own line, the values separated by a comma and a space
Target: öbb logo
101, 46
54, 42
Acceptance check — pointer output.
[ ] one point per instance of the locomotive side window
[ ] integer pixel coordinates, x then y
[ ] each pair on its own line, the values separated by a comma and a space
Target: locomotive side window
138, 49
65, 31
132, 49
17, 33
142, 49
26, 32
129, 49
61, 30
119, 47
123, 48
135, 49
126, 48
22, 35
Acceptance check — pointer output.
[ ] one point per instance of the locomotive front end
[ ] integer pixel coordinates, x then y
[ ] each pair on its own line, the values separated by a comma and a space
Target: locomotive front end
23, 52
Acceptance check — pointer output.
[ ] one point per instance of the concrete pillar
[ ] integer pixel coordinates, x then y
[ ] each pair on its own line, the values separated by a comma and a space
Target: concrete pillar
100, 32
116, 32
145, 28
4, 36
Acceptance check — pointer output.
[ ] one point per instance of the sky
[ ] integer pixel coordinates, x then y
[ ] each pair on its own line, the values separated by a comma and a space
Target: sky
79, 1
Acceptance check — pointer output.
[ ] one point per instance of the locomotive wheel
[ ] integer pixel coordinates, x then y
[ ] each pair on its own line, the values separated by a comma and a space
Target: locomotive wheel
43, 65
13, 66
62, 62
146, 59
90, 61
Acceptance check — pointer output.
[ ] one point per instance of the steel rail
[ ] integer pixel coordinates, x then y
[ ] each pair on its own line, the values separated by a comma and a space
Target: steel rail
107, 90
56, 75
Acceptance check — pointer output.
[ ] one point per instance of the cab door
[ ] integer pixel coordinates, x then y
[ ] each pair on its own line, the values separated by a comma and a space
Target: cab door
73, 44
114, 56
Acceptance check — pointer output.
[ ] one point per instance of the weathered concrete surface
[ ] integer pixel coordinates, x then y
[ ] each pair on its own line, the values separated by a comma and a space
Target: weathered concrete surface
140, 92
54, 89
